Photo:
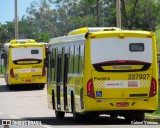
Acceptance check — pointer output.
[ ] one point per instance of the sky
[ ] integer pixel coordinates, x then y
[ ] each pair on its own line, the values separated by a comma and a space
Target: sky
7, 9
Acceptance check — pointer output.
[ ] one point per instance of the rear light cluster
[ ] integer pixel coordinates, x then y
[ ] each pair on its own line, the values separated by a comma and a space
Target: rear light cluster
153, 89
90, 89
11, 73
44, 71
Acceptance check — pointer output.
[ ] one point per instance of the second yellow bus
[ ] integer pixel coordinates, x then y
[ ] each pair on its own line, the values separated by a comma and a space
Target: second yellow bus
24, 63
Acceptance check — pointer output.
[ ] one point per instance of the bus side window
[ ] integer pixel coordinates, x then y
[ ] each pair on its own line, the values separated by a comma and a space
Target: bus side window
62, 64
81, 59
53, 64
76, 59
71, 59
59, 64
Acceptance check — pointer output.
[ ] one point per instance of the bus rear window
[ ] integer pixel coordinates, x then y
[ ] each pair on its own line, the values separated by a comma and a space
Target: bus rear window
34, 51
136, 47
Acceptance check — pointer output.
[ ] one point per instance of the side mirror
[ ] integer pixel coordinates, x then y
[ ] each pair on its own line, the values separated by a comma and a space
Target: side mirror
48, 53
2, 55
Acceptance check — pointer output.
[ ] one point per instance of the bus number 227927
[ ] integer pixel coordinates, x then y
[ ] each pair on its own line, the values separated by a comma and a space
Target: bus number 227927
138, 76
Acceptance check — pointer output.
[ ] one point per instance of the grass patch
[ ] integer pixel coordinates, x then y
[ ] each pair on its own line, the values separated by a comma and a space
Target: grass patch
157, 113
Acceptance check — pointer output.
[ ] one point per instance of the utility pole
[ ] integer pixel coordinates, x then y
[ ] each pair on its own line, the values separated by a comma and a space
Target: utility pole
97, 13
16, 21
118, 13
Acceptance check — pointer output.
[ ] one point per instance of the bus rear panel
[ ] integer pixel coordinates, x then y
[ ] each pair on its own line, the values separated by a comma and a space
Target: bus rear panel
123, 73
24, 63
28, 65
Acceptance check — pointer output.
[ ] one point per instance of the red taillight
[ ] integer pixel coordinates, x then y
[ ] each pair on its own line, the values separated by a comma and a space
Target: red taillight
153, 89
90, 89
11, 73
43, 71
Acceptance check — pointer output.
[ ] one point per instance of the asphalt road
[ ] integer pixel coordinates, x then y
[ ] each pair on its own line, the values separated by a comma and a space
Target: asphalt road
28, 106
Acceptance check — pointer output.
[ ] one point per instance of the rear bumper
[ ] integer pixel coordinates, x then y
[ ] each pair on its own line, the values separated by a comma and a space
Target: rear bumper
145, 104
41, 80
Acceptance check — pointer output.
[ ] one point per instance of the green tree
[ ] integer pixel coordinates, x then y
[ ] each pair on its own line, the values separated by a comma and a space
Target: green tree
43, 18
9, 26
52, 18
43, 37
140, 14
4, 35
26, 29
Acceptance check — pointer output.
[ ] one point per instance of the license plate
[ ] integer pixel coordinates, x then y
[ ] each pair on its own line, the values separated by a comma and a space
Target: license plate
122, 104
28, 80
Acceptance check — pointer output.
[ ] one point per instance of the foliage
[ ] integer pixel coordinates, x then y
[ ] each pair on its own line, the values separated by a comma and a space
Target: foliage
140, 14
158, 38
43, 37
8, 32
4, 35
51, 18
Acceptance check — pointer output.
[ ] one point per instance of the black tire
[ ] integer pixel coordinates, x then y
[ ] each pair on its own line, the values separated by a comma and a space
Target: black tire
11, 87
59, 114
129, 118
140, 116
113, 116
90, 116
36, 86
136, 116
41, 86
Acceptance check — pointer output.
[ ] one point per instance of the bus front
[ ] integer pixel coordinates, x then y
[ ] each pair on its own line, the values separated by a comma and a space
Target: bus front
121, 73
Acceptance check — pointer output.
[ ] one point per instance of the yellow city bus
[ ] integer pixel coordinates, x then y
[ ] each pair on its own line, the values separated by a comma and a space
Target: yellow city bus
24, 63
95, 71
